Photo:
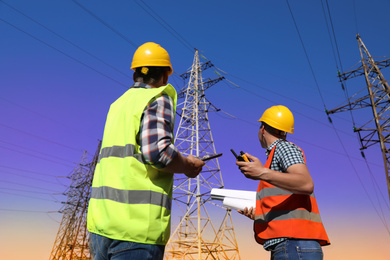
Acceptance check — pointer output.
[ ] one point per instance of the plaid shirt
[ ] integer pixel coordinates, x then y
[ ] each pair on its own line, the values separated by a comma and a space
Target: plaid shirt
156, 131
285, 155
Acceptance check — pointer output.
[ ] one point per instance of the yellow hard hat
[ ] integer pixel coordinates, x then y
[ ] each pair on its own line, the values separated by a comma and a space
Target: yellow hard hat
279, 117
151, 54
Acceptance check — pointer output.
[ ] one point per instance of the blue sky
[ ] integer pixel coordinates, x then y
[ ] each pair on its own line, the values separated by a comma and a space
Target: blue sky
64, 62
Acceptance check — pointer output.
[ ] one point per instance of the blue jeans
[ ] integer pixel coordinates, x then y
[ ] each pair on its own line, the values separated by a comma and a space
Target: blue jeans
297, 250
103, 248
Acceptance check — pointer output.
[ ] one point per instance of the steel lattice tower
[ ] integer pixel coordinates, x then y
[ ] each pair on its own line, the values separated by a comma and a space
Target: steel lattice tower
196, 237
72, 238
377, 129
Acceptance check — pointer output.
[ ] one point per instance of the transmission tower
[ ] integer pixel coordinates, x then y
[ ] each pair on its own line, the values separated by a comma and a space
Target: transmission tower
196, 237
72, 238
376, 130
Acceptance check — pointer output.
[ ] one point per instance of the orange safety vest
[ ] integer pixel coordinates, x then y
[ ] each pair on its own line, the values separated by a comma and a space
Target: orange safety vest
280, 213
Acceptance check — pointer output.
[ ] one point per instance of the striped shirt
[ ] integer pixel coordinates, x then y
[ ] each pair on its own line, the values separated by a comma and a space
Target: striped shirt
156, 131
285, 155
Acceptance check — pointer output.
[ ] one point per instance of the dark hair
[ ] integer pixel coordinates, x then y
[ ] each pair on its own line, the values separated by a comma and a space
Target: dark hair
149, 75
274, 131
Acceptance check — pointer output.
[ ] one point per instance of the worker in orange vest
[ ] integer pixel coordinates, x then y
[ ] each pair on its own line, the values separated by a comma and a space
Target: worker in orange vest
286, 218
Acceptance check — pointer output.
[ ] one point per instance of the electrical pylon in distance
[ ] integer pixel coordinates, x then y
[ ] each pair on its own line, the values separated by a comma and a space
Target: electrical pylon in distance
377, 129
195, 236
72, 237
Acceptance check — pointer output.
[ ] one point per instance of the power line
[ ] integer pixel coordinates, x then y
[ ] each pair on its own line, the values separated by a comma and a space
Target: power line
174, 33
334, 34
355, 16
25, 185
43, 116
29, 171
27, 191
29, 177
32, 155
30, 197
67, 55
307, 57
334, 46
105, 24
330, 37
41, 138
29, 211
32, 150
63, 38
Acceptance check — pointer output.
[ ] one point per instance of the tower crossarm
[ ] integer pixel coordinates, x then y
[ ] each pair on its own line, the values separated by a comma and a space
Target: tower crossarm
351, 104
203, 67
211, 82
360, 71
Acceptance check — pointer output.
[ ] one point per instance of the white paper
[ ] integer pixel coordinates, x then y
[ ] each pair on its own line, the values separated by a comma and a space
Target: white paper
236, 203
235, 199
242, 194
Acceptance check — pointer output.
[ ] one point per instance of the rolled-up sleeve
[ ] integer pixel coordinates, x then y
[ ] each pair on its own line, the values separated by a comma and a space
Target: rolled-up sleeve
156, 133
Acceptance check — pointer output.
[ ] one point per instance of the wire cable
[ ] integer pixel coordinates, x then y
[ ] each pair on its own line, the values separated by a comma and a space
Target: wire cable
29, 171
28, 211
25, 185
105, 24
307, 57
174, 33
68, 41
25, 196
67, 55
35, 151
355, 16
41, 138
32, 178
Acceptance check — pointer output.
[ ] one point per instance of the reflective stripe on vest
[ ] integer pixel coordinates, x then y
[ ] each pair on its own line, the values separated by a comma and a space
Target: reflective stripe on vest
288, 214
120, 152
132, 196
130, 200
280, 213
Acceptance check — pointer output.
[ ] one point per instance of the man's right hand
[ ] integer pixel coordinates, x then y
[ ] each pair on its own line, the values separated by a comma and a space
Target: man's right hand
195, 166
250, 213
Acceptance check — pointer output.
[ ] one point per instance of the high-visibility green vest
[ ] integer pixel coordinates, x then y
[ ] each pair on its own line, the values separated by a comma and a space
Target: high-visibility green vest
130, 199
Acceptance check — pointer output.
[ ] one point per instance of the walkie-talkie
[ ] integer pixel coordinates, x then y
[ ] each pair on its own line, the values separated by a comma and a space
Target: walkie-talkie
242, 157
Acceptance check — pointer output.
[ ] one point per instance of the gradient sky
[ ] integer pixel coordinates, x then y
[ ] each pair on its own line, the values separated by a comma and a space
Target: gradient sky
62, 64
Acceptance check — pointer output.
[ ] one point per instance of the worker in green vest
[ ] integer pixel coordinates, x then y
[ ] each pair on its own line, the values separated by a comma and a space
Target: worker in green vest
129, 212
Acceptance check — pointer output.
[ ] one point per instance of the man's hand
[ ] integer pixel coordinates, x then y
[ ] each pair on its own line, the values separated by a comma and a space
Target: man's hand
250, 213
296, 179
252, 170
195, 166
